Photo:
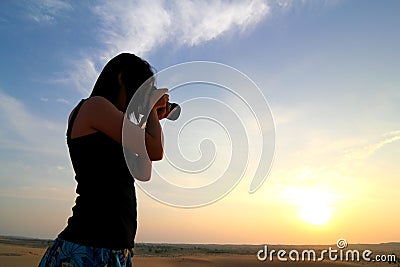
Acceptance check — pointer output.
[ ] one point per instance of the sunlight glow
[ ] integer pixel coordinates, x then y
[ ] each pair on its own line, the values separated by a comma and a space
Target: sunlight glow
314, 206
316, 215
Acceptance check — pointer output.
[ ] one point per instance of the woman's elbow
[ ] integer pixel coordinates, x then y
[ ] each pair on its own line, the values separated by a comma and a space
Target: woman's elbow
155, 151
156, 155
143, 177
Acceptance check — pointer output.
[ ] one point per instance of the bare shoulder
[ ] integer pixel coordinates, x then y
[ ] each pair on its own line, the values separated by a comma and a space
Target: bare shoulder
99, 114
100, 107
93, 105
98, 102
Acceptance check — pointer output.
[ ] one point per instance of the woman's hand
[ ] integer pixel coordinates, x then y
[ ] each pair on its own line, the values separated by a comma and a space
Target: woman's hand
161, 106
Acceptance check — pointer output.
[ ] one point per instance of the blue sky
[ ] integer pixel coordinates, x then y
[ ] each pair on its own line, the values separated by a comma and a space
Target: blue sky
329, 70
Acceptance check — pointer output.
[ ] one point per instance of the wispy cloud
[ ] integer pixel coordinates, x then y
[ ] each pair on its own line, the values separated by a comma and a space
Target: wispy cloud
290, 4
34, 155
63, 100
136, 26
23, 131
368, 150
84, 74
141, 26
46, 10
392, 133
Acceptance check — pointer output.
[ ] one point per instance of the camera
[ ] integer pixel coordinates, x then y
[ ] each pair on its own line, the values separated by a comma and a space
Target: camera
174, 109
139, 109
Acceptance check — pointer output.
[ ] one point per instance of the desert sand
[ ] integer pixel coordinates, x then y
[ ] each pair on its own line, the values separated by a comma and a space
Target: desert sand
15, 252
18, 256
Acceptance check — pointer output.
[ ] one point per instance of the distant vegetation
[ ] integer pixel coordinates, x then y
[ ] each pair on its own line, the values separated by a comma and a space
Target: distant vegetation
148, 249
176, 250
25, 242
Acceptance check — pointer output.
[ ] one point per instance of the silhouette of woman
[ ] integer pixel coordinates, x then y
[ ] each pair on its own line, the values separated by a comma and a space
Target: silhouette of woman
102, 228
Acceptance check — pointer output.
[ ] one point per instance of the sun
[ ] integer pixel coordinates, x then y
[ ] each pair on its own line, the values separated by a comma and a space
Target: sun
314, 206
315, 214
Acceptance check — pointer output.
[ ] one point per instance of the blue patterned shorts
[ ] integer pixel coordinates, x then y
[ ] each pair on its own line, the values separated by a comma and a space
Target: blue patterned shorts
67, 254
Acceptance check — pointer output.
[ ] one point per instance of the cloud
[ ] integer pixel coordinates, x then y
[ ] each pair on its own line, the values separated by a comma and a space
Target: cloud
141, 26
397, 132
368, 150
313, 5
46, 10
84, 74
205, 21
22, 131
64, 101
34, 154
133, 26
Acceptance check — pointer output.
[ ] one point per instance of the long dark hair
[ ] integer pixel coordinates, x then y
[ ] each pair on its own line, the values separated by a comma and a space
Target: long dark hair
134, 72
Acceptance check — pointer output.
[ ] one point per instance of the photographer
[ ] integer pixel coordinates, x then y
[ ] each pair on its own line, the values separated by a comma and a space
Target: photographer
102, 228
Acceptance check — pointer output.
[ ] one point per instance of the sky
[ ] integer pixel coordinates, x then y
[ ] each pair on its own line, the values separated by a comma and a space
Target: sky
329, 73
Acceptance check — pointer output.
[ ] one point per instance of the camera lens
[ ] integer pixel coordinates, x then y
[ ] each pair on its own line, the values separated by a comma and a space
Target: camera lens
175, 111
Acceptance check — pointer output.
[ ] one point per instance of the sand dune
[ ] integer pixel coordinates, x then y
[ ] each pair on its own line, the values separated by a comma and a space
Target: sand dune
28, 252
18, 256
235, 261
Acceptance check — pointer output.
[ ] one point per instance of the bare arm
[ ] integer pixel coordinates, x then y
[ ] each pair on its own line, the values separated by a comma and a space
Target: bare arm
102, 115
154, 138
142, 165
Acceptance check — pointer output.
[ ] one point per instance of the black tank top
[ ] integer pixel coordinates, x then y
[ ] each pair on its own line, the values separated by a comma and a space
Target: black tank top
104, 214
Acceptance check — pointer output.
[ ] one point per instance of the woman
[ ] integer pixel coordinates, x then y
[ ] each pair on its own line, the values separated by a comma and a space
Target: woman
102, 228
